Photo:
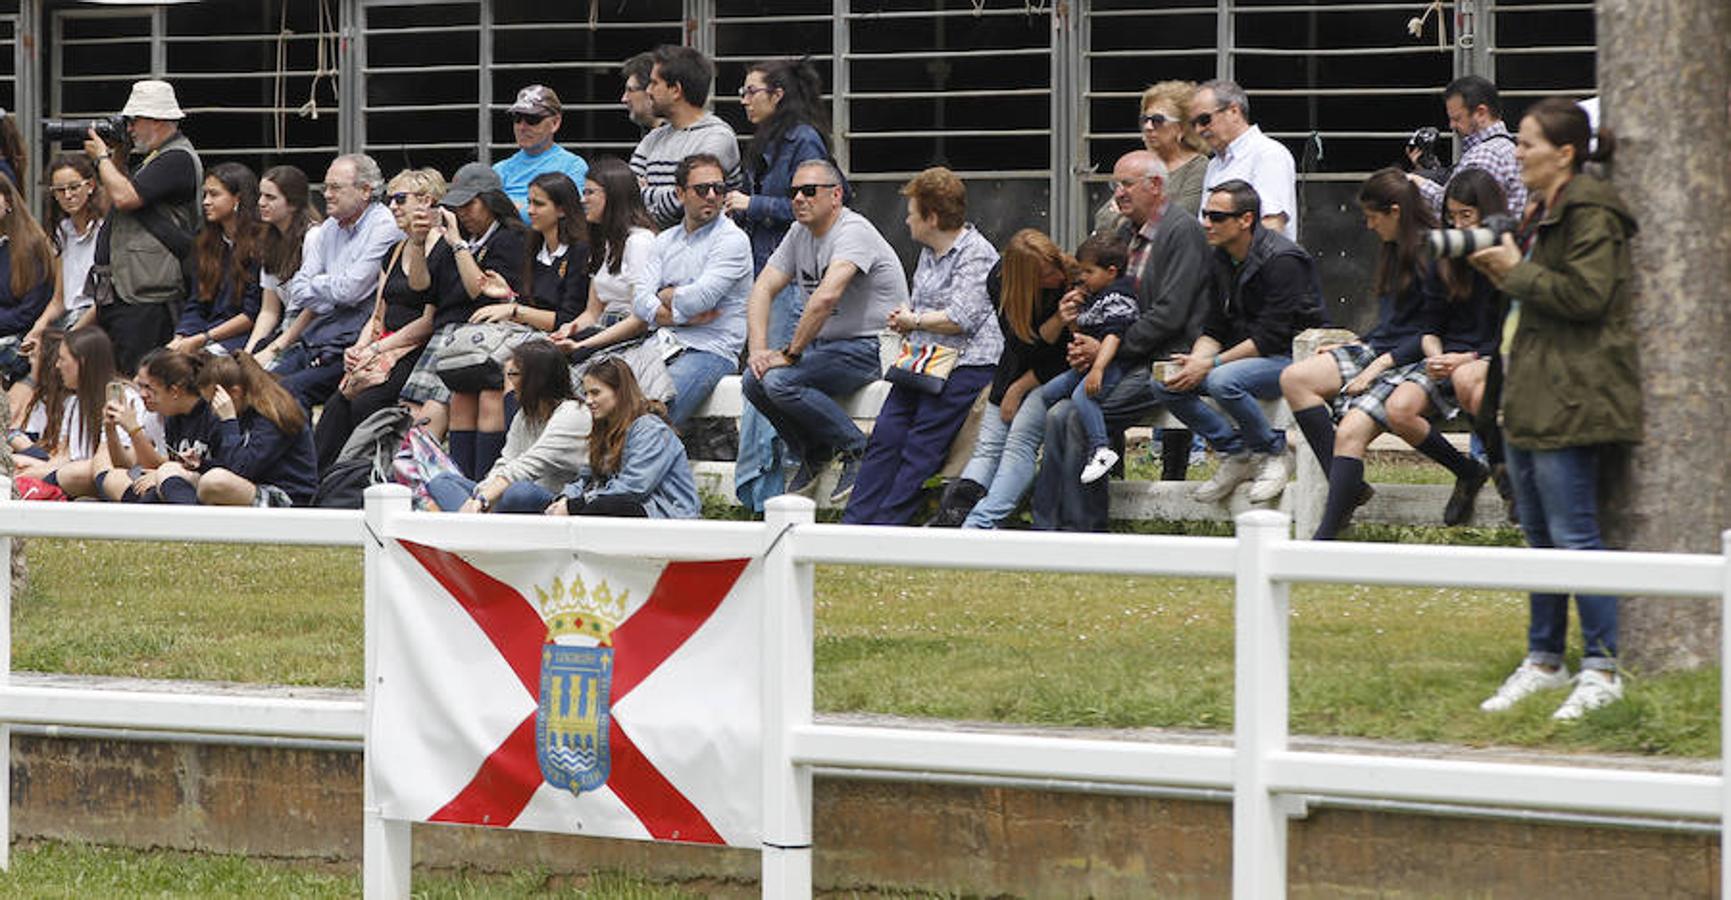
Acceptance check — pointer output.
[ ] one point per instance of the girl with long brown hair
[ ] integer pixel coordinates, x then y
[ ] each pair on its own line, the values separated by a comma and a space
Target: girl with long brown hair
219, 315
1025, 286
84, 365
1353, 382
286, 209
544, 448
637, 465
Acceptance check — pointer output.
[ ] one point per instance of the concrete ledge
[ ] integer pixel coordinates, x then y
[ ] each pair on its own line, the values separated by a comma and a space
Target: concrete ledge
871, 835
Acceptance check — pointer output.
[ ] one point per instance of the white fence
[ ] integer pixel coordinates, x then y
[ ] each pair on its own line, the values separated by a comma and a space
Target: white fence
1259, 768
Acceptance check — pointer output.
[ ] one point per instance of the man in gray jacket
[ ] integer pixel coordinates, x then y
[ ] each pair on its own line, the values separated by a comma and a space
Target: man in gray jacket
1169, 261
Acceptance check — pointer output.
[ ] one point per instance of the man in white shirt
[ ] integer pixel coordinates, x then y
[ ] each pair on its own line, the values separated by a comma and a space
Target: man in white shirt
1220, 111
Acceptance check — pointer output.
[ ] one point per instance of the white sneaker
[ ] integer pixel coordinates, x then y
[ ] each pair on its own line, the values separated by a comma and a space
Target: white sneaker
1234, 470
1271, 476
1098, 465
1527, 681
1593, 689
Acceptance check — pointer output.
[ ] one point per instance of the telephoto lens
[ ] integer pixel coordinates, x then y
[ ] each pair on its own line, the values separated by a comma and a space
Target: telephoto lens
1455, 242
70, 133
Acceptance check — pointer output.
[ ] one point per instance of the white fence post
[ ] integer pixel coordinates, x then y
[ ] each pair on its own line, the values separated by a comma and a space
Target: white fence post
787, 700
386, 849
1725, 723
1260, 696
6, 673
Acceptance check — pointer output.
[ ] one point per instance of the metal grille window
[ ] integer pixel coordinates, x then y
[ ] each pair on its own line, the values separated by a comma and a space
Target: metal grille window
421, 87
750, 31
1540, 48
559, 45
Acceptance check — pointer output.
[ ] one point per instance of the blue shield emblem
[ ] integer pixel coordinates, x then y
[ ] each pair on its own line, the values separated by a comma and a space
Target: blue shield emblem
572, 720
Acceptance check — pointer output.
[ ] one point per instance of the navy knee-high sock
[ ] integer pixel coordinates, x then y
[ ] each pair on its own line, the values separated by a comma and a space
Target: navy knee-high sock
463, 452
1318, 427
177, 490
1438, 448
488, 445
1345, 479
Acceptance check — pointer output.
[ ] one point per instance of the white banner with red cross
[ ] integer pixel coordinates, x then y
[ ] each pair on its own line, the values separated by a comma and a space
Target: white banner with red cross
583, 694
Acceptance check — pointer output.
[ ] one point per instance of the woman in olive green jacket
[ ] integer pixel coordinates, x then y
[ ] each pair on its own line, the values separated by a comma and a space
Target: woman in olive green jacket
1571, 383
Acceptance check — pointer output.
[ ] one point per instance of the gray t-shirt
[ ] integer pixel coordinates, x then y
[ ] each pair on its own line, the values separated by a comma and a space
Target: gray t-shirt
879, 286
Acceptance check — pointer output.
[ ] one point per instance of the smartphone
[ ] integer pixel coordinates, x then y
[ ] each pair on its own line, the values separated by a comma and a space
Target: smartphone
116, 393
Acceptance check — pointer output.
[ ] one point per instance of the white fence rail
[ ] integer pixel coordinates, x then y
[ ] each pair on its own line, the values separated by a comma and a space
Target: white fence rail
1259, 769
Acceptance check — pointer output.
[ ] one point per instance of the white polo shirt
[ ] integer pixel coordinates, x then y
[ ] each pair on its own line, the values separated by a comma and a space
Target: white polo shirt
1267, 165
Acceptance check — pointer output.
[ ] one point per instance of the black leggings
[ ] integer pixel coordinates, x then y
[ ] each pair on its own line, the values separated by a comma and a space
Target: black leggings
340, 414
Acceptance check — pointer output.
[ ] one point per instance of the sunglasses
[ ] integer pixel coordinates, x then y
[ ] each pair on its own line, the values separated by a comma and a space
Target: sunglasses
1155, 120
528, 118
400, 198
1217, 216
808, 190
708, 188
1206, 119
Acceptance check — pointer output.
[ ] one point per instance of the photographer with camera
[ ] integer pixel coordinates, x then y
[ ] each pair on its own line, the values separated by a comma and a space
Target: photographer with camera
155, 211
1475, 113
1572, 383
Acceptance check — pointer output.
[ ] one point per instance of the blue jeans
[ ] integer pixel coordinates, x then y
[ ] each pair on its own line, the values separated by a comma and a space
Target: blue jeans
757, 473
451, 491
797, 399
909, 441
310, 374
1004, 458
1070, 384
1556, 493
1061, 501
1235, 386
695, 374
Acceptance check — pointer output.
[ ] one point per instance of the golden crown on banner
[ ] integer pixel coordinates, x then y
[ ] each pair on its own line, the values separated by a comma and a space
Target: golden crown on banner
576, 610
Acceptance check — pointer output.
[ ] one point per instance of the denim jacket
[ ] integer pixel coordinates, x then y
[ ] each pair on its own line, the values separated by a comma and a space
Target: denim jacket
771, 211
653, 470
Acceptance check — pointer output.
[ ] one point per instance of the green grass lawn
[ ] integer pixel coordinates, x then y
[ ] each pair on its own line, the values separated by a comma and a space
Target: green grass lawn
78, 870
1408, 664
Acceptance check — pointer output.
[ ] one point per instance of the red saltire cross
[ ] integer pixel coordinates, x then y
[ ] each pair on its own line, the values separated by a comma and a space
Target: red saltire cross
683, 598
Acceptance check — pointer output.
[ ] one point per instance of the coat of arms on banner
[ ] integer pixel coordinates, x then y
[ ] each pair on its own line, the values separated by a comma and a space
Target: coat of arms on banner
571, 720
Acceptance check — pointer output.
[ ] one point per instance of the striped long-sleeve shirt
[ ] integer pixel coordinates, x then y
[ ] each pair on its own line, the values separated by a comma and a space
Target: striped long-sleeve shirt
660, 151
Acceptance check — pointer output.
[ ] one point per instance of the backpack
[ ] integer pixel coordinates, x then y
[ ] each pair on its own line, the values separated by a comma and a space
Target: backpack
365, 459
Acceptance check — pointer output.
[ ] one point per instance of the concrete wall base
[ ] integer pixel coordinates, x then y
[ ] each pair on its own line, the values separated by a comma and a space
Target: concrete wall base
305, 804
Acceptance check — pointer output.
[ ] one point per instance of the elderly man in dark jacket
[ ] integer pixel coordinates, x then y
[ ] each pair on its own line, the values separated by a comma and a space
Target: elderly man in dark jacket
1266, 291
1169, 264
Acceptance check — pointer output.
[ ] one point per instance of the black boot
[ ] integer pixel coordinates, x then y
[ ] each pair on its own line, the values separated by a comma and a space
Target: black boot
958, 500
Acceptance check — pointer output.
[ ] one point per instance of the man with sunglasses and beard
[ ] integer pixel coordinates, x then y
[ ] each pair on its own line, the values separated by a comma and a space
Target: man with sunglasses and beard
852, 280
1220, 112
535, 119
694, 286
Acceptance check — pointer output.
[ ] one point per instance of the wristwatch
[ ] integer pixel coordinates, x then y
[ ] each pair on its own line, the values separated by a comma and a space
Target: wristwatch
478, 497
788, 352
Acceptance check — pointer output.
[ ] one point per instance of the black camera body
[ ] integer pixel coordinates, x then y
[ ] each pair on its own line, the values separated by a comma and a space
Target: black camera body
1456, 242
70, 133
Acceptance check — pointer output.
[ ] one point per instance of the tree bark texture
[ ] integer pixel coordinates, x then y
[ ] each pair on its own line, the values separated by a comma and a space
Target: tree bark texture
1665, 78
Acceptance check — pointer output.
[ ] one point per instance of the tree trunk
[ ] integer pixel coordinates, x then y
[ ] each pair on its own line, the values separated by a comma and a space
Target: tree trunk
1665, 78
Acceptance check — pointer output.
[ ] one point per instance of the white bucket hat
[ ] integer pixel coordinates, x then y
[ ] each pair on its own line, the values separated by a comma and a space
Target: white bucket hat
152, 100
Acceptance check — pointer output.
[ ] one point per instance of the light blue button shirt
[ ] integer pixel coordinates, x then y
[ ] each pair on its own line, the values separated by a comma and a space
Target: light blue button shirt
339, 274
709, 268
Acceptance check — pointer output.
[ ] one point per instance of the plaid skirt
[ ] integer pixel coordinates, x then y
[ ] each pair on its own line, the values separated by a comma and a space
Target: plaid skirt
424, 384
1353, 358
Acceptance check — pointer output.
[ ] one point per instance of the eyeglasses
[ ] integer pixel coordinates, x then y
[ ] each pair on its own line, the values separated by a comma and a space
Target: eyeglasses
1206, 119
528, 118
1155, 120
67, 190
808, 190
1219, 215
1127, 185
513, 373
337, 186
748, 91
708, 188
